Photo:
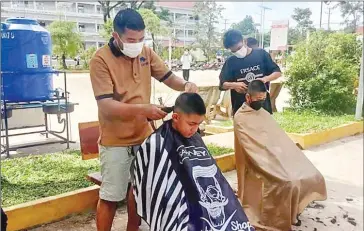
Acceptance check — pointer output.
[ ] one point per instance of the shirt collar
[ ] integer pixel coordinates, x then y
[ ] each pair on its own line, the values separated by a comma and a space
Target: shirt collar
115, 50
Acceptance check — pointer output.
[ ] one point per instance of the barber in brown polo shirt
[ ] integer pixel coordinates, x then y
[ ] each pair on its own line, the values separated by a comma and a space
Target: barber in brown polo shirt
121, 79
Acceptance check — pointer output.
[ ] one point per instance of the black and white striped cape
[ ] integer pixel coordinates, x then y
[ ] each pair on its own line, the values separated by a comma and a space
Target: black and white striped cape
178, 186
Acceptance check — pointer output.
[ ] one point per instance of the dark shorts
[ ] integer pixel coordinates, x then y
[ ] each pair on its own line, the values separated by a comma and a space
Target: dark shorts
4, 220
186, 74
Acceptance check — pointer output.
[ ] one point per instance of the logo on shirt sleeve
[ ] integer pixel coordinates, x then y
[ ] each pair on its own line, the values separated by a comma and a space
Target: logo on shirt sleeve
143, 61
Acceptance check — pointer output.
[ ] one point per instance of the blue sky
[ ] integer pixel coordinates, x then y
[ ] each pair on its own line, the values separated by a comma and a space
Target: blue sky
236, 11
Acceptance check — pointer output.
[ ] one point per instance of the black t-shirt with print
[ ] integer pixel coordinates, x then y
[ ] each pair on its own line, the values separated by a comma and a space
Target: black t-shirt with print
257, 64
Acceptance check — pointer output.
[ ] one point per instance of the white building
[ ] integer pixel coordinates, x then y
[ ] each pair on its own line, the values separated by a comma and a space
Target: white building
89, 19
183, 23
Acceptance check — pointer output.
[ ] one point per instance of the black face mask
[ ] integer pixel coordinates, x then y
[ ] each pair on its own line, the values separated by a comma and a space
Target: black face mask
256, 105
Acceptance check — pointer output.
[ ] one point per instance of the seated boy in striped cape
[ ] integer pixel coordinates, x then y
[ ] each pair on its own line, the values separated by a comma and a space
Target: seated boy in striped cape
177, 184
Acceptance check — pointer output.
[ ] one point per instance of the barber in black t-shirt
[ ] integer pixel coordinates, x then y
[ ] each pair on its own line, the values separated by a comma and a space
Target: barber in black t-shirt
244, 66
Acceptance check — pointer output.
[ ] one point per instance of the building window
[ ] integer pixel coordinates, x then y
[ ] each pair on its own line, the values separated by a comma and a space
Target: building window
191, 33
99, 27
81, 27
39, 5
179, 33
81, 9
98, 8
16, 4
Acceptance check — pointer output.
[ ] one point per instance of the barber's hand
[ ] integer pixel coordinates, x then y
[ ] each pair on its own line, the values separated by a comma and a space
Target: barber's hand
264, 80
191, 87
153, 112
240, 87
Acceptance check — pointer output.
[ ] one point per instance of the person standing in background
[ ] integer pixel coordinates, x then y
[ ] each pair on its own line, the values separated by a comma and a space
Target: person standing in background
186, 60
252, 43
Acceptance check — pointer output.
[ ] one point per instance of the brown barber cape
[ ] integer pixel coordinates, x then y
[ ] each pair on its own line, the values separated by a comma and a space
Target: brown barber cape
276, 181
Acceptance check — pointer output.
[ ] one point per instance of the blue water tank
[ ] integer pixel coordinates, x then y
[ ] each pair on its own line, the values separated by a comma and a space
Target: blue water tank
26, 50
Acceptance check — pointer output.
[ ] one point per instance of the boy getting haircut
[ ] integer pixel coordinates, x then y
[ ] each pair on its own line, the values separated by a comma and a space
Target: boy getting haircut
190, 103
177, 184
189, 113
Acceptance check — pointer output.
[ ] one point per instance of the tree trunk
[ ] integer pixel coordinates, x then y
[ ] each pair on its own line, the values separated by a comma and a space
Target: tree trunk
64, 61
355, 22
205, 53
140, 5
153, 42
104, 11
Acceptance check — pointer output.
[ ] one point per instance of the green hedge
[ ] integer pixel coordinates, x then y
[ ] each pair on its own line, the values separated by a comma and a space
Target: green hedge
322, 72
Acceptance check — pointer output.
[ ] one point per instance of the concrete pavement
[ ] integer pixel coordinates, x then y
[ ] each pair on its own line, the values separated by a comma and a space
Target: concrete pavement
341, 163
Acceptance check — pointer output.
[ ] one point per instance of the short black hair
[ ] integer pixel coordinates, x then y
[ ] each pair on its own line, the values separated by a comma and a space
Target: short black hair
251, 42
130, 19
256, 86
190, 103
231, 38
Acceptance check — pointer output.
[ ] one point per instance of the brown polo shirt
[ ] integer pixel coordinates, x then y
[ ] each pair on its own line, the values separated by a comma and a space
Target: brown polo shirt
127, 80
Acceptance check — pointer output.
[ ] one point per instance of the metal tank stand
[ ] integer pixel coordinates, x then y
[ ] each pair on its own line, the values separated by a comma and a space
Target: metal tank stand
58, 105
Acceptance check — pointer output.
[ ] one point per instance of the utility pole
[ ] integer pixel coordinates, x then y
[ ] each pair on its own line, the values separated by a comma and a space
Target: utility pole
321, 15
261, 28
184, 35
329, 14
225, 24
262, 24
328, 19
359, 101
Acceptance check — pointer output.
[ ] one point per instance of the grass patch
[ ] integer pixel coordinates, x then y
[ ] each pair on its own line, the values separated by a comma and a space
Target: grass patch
216, 150
304, 121
33, 177
225, 123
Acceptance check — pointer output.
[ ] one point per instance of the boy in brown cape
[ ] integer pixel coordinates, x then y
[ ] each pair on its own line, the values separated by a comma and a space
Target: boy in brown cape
276, 181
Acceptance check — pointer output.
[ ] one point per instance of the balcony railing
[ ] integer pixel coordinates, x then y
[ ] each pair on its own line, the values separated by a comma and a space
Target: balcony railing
53, 11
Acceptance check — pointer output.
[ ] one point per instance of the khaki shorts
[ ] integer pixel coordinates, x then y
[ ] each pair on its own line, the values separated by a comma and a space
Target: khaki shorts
115, 172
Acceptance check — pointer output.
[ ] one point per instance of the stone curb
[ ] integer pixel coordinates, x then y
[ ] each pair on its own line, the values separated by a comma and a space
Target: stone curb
307, 140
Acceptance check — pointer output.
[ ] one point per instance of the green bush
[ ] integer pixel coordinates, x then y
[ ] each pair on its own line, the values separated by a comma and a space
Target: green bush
322, 71
86, 56
177, 53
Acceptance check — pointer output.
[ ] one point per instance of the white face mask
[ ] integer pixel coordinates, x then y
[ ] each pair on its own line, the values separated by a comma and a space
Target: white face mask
132, 50
241, 53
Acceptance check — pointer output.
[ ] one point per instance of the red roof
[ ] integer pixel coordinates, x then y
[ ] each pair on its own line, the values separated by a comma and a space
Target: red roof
184, 5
